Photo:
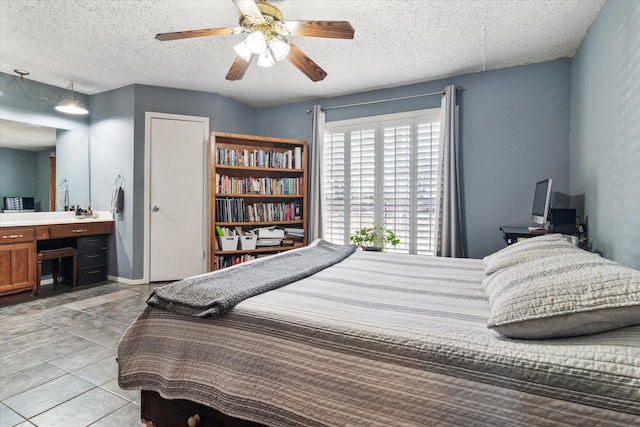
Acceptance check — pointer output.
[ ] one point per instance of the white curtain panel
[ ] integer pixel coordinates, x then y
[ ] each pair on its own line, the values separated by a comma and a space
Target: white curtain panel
450, 223
315, 176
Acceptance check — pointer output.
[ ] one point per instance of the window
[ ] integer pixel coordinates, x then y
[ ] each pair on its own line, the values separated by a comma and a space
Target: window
383, 169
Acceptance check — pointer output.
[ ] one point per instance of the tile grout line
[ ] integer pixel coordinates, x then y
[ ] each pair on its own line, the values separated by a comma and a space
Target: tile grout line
33, 312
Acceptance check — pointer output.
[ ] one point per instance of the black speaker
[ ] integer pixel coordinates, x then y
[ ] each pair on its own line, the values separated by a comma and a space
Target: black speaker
563, 221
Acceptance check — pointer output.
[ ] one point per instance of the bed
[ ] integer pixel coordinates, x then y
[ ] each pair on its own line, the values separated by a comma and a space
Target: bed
385, 339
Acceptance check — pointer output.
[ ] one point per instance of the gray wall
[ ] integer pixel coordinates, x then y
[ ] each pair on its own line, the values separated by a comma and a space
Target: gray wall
112, 129
25, 173
72, 154
16, 173
605, 131
118, 135
514, 131
42, 198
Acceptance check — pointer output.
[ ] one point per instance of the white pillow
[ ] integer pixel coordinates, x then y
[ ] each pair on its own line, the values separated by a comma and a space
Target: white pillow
528, 250
562, 296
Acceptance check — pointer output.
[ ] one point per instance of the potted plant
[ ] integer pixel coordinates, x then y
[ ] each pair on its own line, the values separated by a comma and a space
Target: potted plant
374, 238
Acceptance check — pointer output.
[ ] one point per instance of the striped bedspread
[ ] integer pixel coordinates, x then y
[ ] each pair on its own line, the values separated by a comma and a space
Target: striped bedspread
382, 339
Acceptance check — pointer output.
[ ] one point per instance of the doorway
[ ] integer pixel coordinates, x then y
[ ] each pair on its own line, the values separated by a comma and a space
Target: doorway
176, 196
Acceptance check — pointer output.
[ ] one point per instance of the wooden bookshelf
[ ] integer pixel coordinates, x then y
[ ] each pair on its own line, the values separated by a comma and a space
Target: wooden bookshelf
259, 172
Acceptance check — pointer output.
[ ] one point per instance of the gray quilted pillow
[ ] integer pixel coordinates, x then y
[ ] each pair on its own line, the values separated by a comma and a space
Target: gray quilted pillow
528, 250
561, 296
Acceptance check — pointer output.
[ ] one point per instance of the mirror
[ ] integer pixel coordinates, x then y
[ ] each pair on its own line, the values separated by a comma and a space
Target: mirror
41, 162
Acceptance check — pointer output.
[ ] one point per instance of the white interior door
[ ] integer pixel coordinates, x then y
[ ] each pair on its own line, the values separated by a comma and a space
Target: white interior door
178, 238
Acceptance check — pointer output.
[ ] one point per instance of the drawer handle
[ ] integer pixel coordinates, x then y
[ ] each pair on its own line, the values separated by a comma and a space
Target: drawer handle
93, 256
93, 272
13, 236
80, 230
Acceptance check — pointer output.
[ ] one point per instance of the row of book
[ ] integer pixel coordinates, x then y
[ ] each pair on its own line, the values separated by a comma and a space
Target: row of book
237, 210
229, 260
290, 159
267, 186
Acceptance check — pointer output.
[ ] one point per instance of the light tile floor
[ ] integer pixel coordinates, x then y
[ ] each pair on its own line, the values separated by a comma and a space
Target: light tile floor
58, 358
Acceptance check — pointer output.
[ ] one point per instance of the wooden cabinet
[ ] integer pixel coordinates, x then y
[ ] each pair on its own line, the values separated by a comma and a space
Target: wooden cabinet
17, 259
78, 229
18, 246
255, 182
90, 240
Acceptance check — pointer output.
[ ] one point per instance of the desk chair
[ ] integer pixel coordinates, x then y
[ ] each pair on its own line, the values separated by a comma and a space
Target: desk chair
56, 254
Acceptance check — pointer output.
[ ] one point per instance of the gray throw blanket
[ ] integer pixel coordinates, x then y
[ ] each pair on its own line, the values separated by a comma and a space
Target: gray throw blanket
213, 294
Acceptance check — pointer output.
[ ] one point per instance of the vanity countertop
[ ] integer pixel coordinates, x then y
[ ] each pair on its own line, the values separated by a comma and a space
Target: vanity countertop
50, 218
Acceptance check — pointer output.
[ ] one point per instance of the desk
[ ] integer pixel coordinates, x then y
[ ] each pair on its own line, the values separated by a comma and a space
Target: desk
18, 245
513, 234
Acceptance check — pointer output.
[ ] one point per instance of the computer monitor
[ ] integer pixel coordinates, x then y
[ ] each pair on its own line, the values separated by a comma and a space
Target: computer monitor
18, 204
541, 202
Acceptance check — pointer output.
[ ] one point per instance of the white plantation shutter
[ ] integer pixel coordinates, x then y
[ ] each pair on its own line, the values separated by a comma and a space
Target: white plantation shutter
427, 176
334, 187
397, 183
362, 178
384, 170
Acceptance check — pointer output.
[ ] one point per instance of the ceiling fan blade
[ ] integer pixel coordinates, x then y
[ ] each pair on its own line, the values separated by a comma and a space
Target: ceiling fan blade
330, 29
194, 33
238, 68
303, 63
248, 8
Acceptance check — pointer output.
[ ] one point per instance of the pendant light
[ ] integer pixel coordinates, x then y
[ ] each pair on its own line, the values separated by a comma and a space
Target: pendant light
71, 105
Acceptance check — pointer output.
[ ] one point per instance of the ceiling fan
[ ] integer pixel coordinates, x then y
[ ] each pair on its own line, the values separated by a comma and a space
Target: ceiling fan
267, 30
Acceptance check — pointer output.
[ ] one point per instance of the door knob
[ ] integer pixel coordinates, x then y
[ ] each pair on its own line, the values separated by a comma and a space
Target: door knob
155, 208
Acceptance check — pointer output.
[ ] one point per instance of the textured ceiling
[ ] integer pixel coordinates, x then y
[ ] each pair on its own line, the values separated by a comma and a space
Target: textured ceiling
106, 44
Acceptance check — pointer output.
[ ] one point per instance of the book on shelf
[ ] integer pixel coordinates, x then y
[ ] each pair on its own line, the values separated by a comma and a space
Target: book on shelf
238, 210
264, 186
297, 209
288, 159
223, 261
298, 158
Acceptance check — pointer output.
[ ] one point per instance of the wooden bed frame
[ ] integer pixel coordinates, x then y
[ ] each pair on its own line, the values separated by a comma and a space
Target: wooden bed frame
156, 411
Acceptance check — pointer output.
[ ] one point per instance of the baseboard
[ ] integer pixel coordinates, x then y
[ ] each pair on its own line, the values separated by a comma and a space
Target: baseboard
127, 281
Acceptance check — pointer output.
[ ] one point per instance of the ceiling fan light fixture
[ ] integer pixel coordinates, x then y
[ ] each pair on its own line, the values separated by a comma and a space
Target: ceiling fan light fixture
267, 34
256, 42
243, 51
266, 59
279, 47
